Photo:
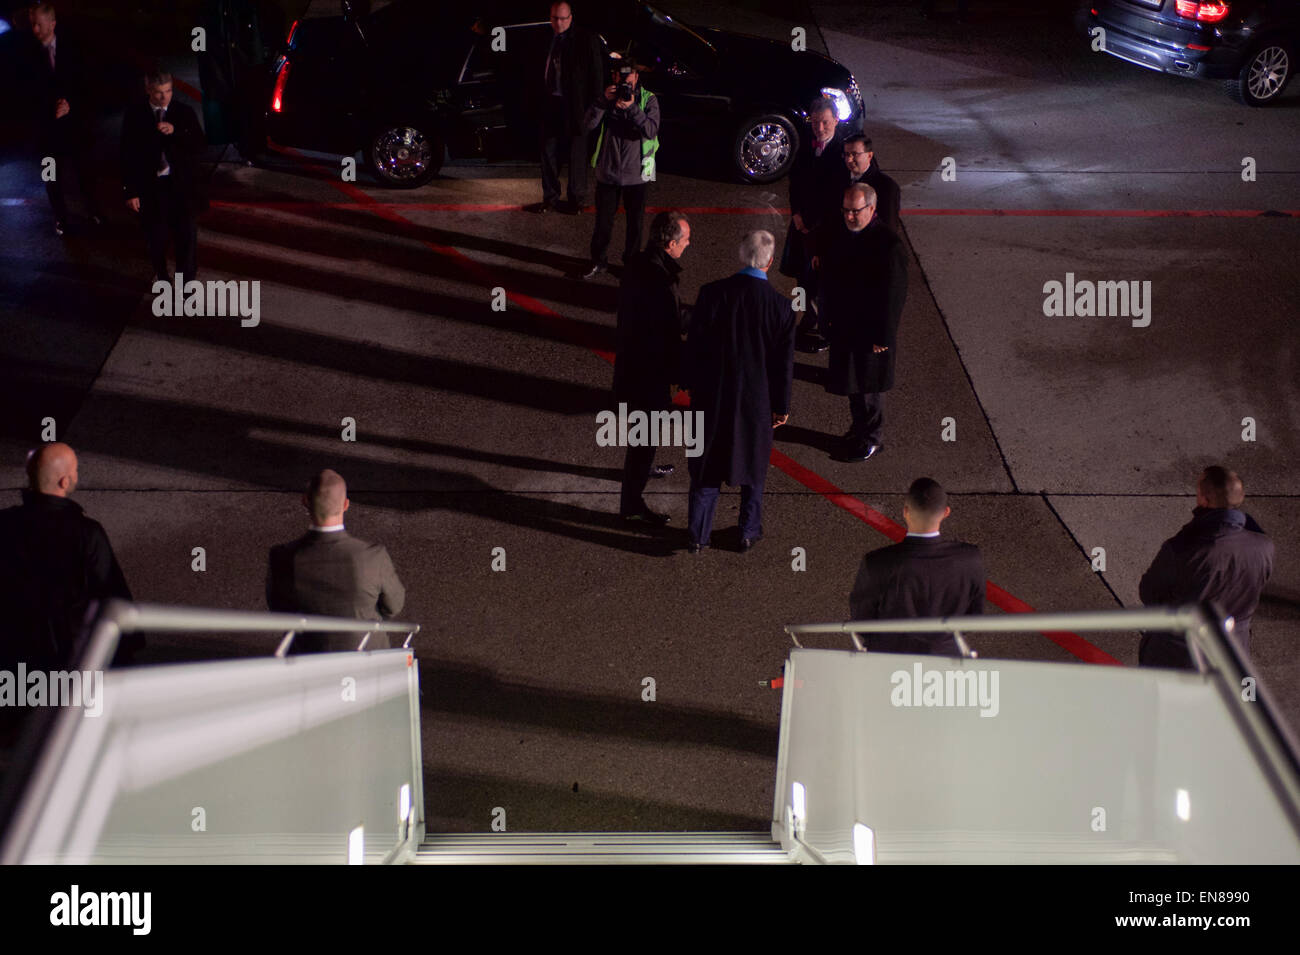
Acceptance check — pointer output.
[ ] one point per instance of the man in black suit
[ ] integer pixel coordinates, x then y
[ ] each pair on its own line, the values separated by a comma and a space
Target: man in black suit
739, 370
1221, 555
921, 576
54, 560
860, 166
647, 359
863, 268
329, 572
161, 145
814, 195
570, 78
64, 115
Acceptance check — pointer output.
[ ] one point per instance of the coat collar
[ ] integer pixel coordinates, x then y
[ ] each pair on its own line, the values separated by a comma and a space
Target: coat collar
49, 502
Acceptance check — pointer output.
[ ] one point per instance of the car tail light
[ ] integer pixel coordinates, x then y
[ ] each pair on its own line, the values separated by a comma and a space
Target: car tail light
281, 77
1211, 12
292, 30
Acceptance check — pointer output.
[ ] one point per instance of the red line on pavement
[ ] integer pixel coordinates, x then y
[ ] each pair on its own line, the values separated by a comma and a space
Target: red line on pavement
1070, 642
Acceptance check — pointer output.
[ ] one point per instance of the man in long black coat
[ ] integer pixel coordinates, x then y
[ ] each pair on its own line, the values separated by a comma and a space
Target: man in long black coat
568, 80
739, 370
814, 192
60, 90
860, 166
648, 349
1221, 555
920, 576
161, 145
54, 560
863, 287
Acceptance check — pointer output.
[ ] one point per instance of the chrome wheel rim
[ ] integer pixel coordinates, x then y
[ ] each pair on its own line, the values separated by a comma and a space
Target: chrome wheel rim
1268, 72
402, 153
765, 149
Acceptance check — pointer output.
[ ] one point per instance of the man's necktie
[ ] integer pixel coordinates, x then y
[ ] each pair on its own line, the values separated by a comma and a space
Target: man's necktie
163, 167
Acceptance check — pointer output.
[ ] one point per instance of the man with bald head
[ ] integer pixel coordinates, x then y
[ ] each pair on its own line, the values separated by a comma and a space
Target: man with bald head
54, 560
329, 572
1221, 555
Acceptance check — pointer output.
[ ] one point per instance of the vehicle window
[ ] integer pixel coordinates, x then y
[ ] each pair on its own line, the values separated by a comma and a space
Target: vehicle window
524, 44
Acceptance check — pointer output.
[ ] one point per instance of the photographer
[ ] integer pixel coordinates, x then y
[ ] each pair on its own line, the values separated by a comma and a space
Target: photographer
627, 116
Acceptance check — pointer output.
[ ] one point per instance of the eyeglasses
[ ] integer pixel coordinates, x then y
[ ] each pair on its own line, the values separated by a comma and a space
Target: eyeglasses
855, 152
855, 210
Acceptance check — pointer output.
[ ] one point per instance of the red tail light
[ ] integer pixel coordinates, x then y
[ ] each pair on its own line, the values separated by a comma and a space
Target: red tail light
292, 30
1211, 12
281, 77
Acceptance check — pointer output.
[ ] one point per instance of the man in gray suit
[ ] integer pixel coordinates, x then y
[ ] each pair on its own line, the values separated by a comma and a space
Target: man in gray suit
329, 572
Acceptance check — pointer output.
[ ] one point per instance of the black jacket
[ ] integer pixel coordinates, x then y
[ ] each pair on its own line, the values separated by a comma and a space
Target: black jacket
863, 290
67, 81
143, 145
1219, 555
54, 560
739, 370
648, 349
582, 76
813, 181
916, 578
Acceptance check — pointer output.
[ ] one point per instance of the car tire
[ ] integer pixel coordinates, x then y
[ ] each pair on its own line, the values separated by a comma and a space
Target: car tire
1264, 74
403, 155
764, 148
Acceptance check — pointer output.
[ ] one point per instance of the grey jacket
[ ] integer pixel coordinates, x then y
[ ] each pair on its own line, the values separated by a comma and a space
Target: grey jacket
337, 575
619, 161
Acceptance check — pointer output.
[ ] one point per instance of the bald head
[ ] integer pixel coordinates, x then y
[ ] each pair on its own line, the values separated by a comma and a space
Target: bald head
327, 498
52, 469
1219, 487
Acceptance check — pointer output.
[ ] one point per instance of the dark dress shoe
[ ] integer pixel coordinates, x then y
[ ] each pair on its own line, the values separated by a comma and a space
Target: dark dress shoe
859, 452
539, 207
812, 345
647, 516
694, 548
748, 542
662, 470
600, 268
60, 228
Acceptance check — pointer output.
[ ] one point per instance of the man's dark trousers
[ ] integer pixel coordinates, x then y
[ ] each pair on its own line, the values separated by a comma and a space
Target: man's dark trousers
76, 159
606, 208
164, 210
636, 474
703, 502
558, 144
868, 417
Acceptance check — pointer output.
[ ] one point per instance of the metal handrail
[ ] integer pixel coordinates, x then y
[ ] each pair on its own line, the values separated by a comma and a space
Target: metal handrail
1214, 655
106, 621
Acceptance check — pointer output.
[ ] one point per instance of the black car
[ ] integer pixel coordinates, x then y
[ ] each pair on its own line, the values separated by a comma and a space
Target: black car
1250, 44
414, 81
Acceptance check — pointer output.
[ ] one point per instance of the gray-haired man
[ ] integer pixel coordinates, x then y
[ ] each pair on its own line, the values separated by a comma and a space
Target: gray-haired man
739, 366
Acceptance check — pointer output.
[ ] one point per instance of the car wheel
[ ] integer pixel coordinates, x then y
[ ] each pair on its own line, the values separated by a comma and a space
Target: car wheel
403, 155
1264, 75
764, 148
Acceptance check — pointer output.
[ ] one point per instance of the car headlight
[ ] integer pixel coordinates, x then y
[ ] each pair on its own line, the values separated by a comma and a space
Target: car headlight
843, 109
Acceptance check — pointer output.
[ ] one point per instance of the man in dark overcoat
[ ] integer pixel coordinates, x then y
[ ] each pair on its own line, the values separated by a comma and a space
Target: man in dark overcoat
863, 269
860, 166
814, 189
739, 370
161, 145
648, 349
568, 79
61, 92
1220, 555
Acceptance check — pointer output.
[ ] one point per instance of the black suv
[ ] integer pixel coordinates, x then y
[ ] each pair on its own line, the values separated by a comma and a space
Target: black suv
1250, 44
415, 80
